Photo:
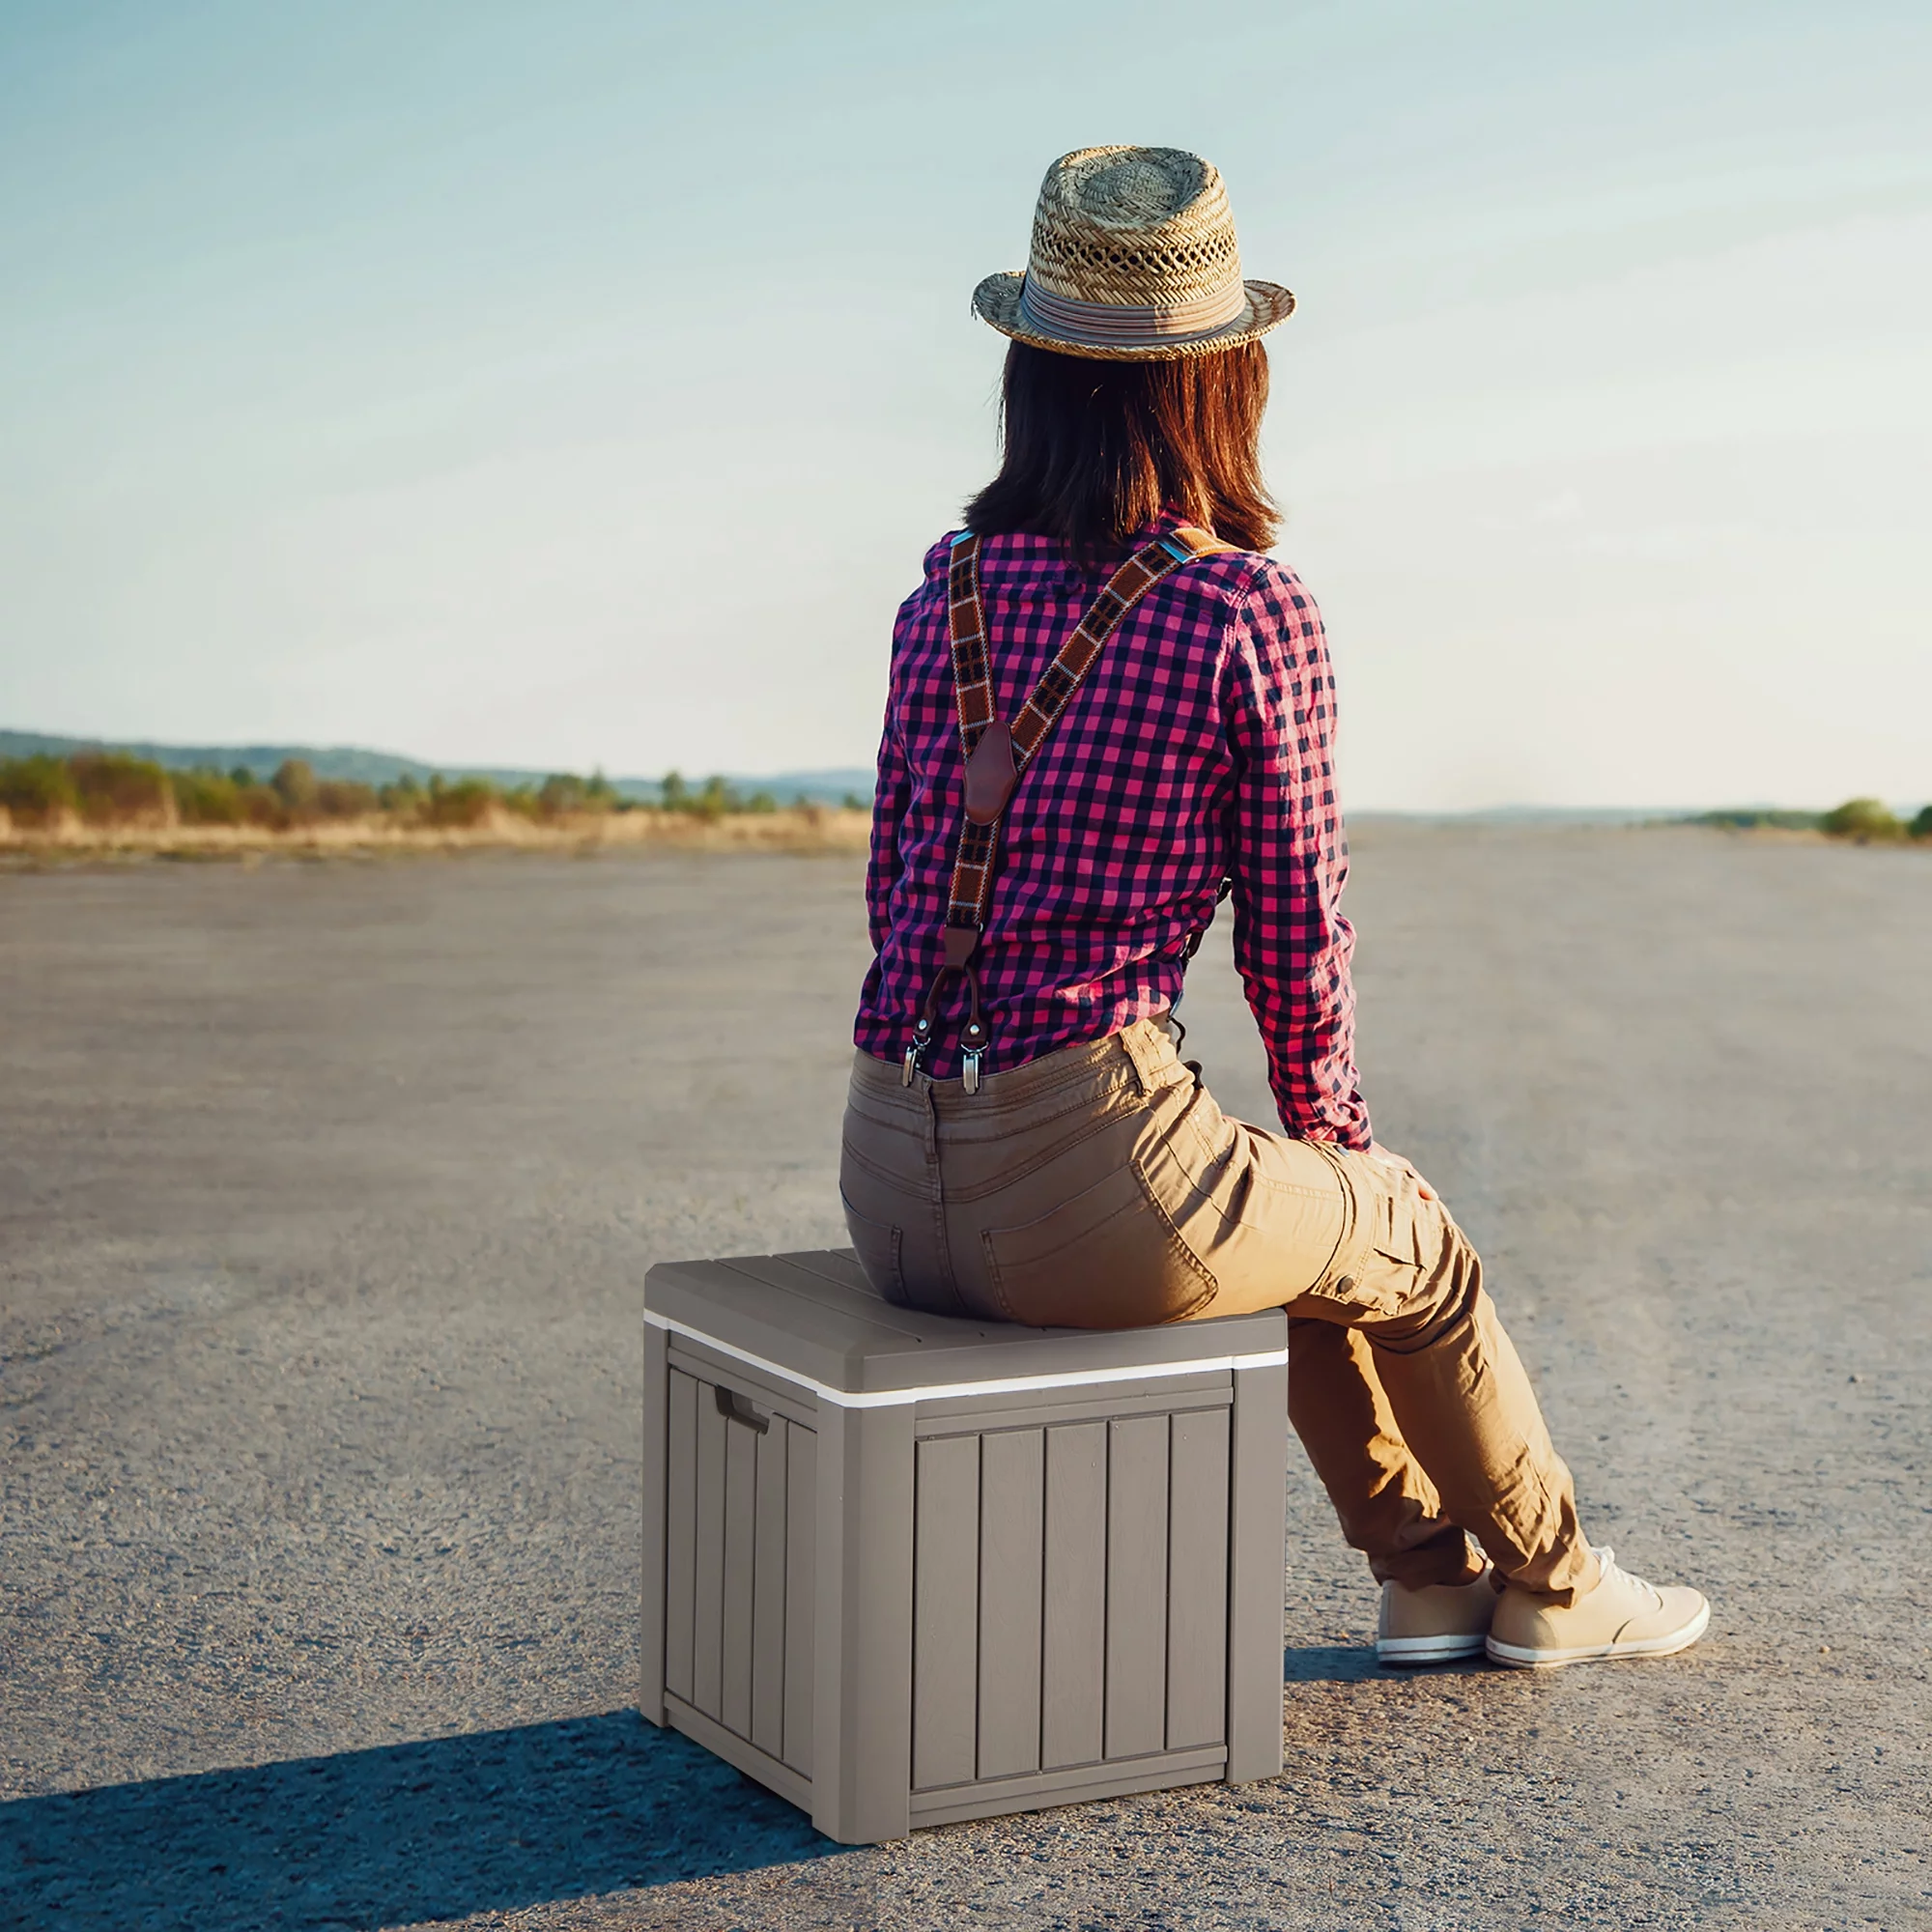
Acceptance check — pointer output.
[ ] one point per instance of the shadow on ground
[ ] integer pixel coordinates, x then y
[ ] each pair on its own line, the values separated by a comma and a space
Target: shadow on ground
1356, 1663
383, 1837
1329, 1663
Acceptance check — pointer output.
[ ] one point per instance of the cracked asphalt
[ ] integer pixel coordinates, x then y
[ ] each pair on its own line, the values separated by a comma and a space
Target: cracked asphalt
326, 1192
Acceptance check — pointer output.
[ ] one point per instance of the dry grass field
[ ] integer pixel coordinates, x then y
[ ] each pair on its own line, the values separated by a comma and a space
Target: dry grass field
800, 829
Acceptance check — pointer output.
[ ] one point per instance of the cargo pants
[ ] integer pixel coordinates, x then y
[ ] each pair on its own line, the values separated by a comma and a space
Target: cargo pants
1101, 1187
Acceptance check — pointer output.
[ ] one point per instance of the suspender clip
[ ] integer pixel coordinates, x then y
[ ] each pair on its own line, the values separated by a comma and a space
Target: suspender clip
973, 1040
922, 1039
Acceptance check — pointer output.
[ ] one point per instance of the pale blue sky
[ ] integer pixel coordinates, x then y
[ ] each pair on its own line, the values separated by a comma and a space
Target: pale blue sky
582, 384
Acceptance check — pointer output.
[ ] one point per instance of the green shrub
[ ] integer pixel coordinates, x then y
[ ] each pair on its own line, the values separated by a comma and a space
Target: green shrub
262, 804
465, 803
1751, 818
714, 799
344, 798
115, 788
1863, 821
294, 784
564, 793
207, 798
219, 797
35, 790
1921, 826
402, 798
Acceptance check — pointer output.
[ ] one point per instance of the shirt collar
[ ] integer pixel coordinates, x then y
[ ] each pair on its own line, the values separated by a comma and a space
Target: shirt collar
1028, 548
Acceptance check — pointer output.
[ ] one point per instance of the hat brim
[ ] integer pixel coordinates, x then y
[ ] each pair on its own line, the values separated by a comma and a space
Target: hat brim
996, 302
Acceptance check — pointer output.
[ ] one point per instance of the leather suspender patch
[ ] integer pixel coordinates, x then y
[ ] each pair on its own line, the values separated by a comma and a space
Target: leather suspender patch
998, 755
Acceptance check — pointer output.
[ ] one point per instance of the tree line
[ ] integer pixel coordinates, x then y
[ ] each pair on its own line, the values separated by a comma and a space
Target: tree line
1864, 821
117, 788
107, 788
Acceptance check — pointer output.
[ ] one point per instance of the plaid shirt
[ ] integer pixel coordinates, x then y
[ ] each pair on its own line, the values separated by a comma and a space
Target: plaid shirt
1198, 748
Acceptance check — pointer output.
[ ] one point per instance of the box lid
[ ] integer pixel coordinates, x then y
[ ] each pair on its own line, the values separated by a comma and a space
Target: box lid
815, 1318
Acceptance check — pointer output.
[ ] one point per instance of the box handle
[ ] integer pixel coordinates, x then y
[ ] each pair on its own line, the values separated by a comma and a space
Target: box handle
733, 1407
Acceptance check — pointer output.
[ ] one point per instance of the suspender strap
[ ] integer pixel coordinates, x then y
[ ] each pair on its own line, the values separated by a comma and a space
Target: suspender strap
997, 755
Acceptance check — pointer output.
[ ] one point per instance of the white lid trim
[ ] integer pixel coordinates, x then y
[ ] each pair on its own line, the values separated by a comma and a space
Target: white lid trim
1268, 1358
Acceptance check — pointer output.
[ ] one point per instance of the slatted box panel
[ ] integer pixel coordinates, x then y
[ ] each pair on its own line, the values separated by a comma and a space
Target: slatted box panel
742, 1501
1070, 1606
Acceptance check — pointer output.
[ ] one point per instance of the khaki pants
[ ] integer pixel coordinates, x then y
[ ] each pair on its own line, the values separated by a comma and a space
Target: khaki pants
1101, 1187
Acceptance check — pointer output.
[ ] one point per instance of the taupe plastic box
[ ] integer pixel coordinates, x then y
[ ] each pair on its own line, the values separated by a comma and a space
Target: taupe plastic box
904, 1568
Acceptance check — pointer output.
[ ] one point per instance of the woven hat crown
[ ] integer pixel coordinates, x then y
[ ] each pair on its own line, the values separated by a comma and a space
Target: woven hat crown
1133, 258
1145, 225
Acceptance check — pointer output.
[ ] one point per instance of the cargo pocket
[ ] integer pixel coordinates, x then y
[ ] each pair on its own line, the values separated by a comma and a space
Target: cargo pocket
877, 1247
1107, 1257
1404, 1238
1397, 1237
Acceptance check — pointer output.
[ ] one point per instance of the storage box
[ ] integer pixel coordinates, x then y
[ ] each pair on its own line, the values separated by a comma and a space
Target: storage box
906, 1569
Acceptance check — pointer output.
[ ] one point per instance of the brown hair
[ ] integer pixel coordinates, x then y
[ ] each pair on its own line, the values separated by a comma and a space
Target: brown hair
1093, 450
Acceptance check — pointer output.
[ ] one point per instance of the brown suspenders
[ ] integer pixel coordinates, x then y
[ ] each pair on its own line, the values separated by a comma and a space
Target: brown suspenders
998, 755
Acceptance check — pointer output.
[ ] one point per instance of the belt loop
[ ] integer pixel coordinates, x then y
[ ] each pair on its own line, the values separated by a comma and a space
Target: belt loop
1134, 1043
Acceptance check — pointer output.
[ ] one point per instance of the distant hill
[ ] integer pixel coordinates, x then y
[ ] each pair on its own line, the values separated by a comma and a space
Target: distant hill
377, 768
1579, 815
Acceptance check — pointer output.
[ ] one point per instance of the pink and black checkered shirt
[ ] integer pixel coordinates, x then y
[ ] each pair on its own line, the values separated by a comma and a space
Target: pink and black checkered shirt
1198, 750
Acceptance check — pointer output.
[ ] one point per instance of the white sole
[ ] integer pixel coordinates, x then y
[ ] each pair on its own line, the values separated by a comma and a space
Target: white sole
1426, 1649
1521, 1657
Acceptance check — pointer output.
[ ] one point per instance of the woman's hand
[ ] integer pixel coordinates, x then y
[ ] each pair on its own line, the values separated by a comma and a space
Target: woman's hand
1377, 1151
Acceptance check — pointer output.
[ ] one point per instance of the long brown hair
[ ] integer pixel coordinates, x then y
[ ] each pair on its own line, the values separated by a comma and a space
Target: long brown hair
1093, 450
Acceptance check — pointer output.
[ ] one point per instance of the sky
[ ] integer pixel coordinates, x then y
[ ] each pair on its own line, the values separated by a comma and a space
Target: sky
582, 384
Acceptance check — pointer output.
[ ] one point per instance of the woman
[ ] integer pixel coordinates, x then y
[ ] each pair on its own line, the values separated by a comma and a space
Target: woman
1108, 708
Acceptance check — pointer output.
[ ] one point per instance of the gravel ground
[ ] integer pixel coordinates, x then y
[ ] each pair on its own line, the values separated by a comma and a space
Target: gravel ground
326, 1195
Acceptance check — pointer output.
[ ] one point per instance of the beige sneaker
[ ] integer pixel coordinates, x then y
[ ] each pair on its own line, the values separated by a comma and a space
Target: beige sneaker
1623, 1616
1435, 1623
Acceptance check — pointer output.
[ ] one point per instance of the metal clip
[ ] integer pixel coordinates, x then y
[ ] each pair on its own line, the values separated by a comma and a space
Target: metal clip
971, 1038
921, 1034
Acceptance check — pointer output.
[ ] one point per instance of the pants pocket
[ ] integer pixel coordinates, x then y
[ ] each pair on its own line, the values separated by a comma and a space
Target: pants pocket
879, 1248
1412, 1225
1401, 1243
1105, 1257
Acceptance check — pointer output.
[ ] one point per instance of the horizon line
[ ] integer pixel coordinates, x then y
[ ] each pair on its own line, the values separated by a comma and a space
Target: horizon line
58, 744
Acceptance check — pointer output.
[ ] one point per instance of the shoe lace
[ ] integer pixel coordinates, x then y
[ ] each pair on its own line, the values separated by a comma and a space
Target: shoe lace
1606, 1560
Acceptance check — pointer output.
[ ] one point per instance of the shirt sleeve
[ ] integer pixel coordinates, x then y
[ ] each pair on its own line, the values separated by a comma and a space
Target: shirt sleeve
1287, 858
891, 796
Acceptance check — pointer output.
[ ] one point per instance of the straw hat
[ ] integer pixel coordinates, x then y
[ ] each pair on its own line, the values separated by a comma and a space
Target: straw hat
1133, 258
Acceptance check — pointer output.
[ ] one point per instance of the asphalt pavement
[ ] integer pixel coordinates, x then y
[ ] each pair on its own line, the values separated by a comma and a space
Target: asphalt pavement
326, 1192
